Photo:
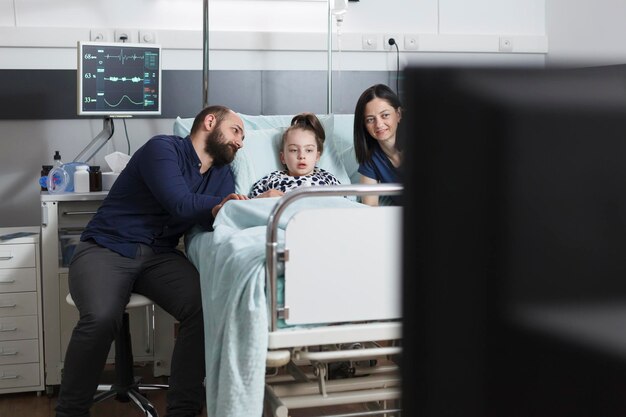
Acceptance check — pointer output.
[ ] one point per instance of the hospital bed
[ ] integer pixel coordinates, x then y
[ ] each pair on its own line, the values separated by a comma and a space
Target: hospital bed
301, 293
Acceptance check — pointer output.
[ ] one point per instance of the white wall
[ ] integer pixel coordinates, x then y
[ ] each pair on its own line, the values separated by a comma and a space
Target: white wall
241, 28
586, 33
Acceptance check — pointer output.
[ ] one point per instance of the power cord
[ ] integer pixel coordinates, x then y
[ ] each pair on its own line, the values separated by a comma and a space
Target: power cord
393, 42
127, 138
112, 124
110, 119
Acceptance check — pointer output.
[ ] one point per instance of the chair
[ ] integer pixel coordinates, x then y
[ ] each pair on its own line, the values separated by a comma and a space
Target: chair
127, 386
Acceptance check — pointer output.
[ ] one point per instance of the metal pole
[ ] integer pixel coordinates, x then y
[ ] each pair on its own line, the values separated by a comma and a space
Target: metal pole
329, 104
205, 55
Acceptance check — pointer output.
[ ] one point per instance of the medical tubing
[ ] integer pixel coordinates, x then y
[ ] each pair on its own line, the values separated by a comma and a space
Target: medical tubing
271, 245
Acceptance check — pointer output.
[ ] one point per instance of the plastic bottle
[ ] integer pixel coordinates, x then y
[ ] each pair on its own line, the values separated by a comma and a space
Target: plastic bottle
81, 179
57, 159
95, 178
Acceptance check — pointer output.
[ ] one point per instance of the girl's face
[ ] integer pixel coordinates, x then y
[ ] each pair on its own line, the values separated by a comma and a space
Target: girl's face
300, 152
381, 120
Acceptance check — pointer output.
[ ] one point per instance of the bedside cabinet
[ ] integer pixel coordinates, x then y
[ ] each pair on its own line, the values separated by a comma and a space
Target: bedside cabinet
21, 330
63, 218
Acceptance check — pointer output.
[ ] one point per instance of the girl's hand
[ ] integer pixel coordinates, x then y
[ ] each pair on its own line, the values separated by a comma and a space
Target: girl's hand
271, 193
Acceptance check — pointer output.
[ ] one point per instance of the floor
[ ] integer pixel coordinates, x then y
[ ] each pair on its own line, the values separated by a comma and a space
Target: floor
31, 404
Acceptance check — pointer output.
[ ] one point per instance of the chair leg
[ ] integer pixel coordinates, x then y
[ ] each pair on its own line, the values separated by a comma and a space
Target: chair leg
142, 402
126, 387
104, 395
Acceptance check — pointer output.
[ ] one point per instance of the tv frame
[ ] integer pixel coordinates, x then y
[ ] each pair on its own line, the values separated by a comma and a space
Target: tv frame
80, 74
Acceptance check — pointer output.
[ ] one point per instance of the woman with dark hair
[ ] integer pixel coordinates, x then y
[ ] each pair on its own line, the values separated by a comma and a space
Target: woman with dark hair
376, 118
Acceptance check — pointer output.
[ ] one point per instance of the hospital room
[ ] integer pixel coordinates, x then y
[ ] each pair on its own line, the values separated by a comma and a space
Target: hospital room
312, 208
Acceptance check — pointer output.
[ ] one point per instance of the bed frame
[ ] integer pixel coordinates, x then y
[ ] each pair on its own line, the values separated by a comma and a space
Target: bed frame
358, 329
343, 311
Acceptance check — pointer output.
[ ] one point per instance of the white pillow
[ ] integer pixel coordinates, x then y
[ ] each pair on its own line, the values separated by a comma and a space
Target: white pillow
344, 144
258, 157
182, 127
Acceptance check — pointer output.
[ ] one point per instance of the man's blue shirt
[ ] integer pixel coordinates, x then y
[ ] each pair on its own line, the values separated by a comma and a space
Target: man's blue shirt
158, 197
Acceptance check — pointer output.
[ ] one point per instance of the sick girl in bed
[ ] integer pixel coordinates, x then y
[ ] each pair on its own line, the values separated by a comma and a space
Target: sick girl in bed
301, 147
376, 118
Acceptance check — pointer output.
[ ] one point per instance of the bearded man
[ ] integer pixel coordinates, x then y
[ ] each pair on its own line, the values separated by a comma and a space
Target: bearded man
169, 185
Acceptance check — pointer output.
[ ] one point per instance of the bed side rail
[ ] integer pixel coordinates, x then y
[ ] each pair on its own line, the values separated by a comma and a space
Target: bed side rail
272, 253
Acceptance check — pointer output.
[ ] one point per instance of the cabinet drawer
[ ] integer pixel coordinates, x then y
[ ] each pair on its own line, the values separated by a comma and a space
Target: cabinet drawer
16, 280
18, 328
13, 376
19, 351
18, 304
17, 256
76, 214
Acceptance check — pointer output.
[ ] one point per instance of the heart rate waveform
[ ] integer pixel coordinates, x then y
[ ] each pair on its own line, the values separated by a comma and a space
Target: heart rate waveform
123, 58
147, 59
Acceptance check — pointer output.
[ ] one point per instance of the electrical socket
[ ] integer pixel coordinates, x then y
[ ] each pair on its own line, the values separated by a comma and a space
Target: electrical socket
370, 42
129, 34
386, 45
98, 35
506, 44
147, 36
410, 42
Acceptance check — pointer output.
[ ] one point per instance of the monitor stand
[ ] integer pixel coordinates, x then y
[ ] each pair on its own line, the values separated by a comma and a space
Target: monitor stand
98, 142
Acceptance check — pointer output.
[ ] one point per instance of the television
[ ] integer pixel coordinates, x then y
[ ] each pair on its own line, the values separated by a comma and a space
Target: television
514, 248
119, 79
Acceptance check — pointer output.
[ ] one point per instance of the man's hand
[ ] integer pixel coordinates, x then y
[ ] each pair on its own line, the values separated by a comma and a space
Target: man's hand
271, 193
232, 196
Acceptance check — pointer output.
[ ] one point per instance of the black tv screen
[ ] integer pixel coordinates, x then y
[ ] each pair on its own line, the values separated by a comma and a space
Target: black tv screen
515, 242
119, 79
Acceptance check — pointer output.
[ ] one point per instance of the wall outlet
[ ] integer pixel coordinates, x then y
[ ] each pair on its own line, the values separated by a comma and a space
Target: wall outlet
147, 36
125, 35
370, 42
386, 45
506, 44
99, 35
411, 42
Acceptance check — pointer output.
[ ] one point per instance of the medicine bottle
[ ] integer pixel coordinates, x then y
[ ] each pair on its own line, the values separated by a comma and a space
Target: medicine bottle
95, 178
45, 170
57, 159
81, 179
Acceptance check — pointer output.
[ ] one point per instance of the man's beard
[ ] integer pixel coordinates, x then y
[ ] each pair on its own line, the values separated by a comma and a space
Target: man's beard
222, 152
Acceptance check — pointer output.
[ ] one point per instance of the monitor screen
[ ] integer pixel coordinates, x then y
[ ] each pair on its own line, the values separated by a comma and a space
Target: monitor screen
119, 79
515, 242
